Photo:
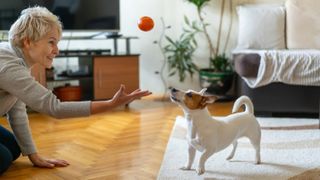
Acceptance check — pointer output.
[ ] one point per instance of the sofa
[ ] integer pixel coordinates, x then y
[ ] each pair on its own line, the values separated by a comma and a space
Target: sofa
277, 58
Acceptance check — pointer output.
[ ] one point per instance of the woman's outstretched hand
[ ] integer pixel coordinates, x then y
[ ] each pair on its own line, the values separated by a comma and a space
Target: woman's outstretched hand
119, 98
122, 98
39, 161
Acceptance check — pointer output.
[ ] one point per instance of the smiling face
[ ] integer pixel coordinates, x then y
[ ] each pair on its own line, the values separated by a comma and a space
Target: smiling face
42, 51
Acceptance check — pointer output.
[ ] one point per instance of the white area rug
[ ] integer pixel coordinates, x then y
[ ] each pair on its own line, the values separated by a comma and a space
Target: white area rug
290, 148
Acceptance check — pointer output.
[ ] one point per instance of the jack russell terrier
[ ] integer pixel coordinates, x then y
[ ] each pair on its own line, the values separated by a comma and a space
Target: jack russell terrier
209, 134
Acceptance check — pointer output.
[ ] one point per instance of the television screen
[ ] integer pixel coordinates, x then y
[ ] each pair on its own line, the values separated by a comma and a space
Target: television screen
76, 15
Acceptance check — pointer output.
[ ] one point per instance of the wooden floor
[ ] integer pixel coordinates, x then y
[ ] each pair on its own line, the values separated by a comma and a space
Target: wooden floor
126, 143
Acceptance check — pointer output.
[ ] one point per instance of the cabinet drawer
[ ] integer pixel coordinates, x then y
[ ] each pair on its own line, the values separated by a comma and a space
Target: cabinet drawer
110, 72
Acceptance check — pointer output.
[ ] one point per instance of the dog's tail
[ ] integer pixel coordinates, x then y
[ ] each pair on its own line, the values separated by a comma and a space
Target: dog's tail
243, 100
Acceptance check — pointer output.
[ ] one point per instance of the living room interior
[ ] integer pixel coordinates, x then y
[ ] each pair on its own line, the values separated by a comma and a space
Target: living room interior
146, 138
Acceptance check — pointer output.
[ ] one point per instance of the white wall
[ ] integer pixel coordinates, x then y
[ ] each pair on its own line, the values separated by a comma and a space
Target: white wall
172, 11
150, 56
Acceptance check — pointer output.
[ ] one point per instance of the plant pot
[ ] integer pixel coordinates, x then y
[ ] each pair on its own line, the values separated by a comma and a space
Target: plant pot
68, 93
218, 83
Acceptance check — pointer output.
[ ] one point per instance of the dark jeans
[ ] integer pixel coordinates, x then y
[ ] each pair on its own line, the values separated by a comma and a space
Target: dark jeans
9, 149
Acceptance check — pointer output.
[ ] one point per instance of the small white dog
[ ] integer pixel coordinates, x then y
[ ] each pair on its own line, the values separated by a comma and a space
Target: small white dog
209, 134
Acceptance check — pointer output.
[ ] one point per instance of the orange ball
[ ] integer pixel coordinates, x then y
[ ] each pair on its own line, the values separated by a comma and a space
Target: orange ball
145, 23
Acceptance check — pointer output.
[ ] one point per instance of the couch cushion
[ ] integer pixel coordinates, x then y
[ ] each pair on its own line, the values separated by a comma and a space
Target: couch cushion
303, 24
261, 26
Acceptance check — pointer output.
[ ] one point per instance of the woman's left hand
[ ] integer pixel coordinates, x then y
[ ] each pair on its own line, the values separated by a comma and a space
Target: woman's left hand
39, 161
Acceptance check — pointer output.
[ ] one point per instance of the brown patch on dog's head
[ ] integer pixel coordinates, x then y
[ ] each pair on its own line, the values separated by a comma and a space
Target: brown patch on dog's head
194, 100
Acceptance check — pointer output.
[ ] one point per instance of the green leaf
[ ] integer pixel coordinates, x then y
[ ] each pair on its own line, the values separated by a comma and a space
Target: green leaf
169, 39
186, 20
172, 73
199, 3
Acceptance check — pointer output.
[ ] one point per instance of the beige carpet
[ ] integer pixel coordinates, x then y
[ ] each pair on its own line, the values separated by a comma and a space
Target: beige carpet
290, 149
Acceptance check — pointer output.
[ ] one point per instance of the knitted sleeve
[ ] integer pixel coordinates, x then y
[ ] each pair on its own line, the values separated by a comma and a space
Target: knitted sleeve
17, 80
19, 123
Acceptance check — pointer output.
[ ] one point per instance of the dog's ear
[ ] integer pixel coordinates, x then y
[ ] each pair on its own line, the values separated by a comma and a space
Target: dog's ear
211, 99
203, 91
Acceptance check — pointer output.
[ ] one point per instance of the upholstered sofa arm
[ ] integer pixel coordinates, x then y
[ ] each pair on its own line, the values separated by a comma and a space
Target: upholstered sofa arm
247, 65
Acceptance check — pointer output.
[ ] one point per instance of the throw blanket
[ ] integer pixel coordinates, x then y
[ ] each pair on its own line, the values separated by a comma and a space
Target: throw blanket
297, 67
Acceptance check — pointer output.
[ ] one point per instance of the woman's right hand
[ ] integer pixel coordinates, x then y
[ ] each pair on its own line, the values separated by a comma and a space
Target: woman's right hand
39, 161
122, 98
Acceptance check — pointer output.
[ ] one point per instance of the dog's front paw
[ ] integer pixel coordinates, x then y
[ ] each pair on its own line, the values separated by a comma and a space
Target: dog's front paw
185, 168
200, 171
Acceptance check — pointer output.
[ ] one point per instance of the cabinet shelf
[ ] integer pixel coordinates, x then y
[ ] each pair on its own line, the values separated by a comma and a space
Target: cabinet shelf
69, 78
84, 53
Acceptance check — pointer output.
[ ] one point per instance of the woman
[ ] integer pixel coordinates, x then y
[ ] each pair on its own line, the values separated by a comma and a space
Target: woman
33, 39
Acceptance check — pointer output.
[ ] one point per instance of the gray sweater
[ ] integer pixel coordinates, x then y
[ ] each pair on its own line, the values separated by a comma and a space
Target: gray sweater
18, 89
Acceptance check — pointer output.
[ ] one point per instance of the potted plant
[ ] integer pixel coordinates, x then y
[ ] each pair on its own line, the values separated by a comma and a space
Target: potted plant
179, 52
218, 77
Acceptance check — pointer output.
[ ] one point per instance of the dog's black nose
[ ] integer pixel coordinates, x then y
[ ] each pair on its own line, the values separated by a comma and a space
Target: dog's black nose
174, 90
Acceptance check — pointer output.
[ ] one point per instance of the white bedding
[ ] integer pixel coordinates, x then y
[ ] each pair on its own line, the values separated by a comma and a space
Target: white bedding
298, 67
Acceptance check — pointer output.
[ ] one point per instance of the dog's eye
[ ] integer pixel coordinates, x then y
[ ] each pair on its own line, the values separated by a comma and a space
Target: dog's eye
189, 94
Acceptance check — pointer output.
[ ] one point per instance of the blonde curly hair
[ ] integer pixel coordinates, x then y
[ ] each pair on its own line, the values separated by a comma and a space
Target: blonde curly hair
34, 23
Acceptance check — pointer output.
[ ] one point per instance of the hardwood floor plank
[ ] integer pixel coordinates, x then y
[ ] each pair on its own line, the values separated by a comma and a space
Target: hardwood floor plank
125, 143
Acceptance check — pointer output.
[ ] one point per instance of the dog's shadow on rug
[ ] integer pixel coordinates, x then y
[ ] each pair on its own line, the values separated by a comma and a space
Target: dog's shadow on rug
279, 167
